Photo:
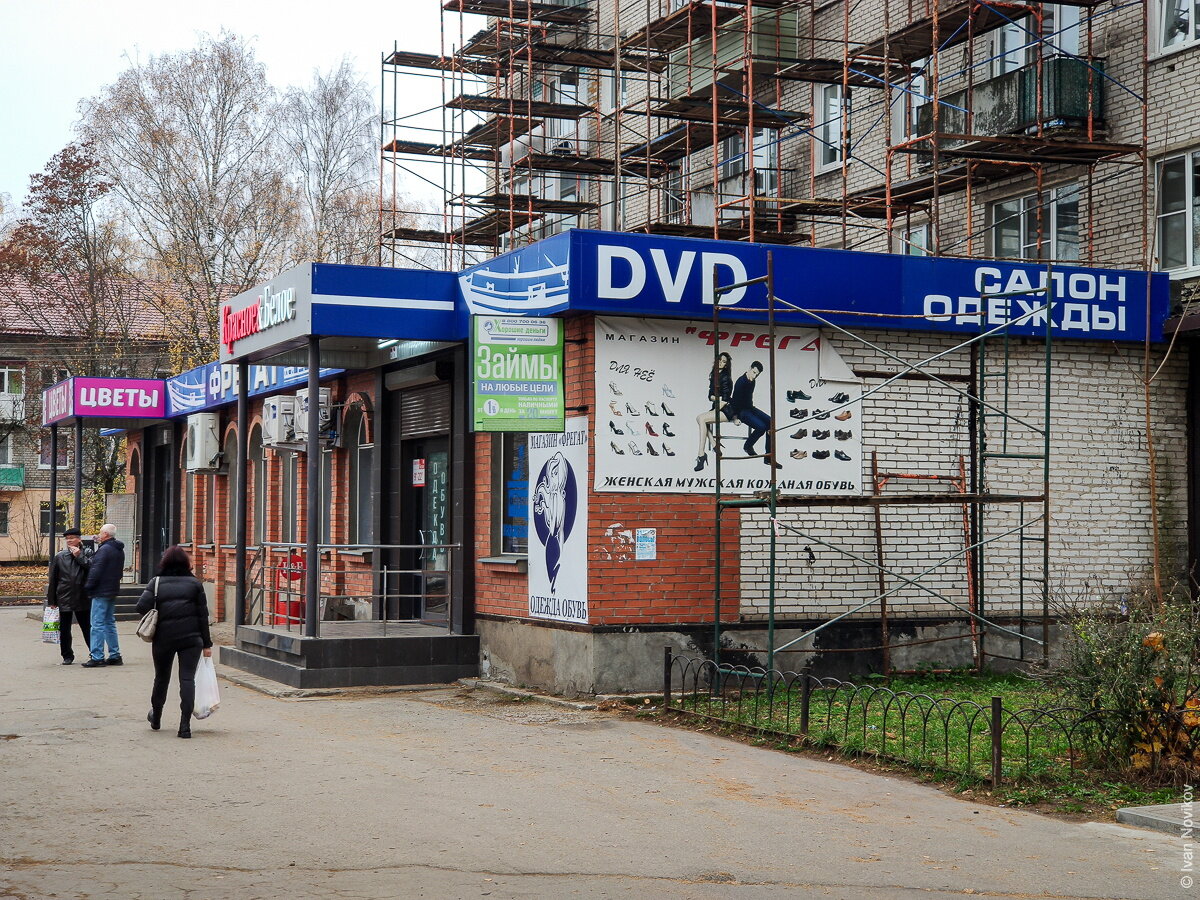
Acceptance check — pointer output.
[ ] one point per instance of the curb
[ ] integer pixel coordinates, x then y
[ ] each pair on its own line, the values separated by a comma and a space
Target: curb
287, 692
508, 691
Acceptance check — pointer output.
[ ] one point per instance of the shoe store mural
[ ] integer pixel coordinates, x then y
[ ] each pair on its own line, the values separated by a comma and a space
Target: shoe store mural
663, 394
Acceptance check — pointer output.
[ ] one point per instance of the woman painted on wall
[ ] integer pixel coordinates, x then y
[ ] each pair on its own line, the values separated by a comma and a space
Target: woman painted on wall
720, 389
550, 511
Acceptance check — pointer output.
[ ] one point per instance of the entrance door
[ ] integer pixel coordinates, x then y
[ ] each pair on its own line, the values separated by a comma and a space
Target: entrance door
425, 524
158, 531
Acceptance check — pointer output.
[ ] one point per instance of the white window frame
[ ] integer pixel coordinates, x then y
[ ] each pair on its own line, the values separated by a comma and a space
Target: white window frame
1050, 236
907, 103
1159, 10
1188, 213
6, 451
914, 240
64, 451
6, 380
828, 148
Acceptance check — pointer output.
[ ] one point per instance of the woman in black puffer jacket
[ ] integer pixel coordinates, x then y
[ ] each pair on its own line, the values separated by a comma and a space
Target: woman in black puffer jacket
182, 629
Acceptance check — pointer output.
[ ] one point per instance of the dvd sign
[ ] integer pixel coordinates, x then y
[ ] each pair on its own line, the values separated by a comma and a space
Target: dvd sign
269, 309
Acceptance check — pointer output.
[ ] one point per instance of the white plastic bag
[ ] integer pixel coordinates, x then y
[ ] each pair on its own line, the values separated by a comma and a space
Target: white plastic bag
50, 633
208, 698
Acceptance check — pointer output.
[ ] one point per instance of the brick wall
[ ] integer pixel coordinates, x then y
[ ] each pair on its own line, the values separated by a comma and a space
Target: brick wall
1099, 482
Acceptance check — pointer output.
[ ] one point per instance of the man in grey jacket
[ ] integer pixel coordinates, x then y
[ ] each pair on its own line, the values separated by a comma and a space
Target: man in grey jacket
65, 589
103, 582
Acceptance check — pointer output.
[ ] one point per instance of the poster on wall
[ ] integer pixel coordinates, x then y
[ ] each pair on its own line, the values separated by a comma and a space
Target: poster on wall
558, 478
518, 374
658, 381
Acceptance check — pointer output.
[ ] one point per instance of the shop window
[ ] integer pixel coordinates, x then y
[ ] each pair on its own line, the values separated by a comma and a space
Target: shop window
1024, 228
360, 452
1177, 24
210, 509
230, 462
1178, 210
287, 497
60, 524
189, 507
326, 497
4, 507
256, 457
510, 493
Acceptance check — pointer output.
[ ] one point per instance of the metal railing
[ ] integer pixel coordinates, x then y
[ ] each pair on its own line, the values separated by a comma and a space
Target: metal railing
959, 736
384, 584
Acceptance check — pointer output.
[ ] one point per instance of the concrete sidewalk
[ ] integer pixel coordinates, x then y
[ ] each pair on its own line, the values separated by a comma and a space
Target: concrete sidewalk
452, 793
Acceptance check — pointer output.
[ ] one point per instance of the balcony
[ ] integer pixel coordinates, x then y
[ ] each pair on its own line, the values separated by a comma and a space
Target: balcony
774, 44
1072, 91
12, 478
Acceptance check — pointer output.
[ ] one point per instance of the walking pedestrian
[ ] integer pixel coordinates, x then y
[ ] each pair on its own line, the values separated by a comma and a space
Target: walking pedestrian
103, 583
182, 631
65, 589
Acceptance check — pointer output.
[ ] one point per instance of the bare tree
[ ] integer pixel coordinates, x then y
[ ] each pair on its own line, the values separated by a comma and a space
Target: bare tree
329, 133
190, 144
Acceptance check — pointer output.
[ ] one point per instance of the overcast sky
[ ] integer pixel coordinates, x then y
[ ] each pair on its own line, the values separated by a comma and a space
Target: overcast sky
53, 53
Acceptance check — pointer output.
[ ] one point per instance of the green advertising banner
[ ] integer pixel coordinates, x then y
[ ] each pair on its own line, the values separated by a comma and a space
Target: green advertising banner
517, 364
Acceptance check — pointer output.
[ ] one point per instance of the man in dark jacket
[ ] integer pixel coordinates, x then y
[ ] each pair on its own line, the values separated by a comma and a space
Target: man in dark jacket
68, 573
741, 406
103, 582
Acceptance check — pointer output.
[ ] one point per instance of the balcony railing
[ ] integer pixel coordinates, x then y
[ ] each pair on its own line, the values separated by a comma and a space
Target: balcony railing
1072, 91
12, 478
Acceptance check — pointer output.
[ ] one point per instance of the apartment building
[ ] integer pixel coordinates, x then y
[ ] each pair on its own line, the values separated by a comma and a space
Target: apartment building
44, 338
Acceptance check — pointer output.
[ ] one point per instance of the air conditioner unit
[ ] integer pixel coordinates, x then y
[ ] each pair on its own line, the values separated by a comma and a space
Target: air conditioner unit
203, 442
326, 414
279, 421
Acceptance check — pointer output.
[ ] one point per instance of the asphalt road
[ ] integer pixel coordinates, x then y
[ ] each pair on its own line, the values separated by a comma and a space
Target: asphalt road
449, 793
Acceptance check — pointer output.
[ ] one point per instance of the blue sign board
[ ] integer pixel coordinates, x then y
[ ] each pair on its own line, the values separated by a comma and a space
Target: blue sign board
369, 301
649, 275
213, 384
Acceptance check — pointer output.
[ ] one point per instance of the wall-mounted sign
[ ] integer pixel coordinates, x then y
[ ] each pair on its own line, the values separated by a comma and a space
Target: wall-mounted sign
558, 533
651, 275
104, 398
215, 384
517, 366
660, 382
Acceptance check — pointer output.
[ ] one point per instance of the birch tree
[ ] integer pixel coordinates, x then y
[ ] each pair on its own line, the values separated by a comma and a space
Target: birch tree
189, 141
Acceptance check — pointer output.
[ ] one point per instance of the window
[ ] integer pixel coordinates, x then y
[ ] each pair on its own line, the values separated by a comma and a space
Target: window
914, 241
12, 380
1009, 50
1177, 24
231, 492
1178, 211
6, 454
210, 509
831, 110
360, 451
44, 453
510, 492
44, 517
1019, 223
908, 103
326, 536
1015, 45
4, 518
189, 507
766, 163
674, 197
287, 497
257, 475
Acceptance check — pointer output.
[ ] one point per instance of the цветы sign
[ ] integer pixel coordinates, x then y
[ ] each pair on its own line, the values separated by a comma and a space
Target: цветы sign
110, 398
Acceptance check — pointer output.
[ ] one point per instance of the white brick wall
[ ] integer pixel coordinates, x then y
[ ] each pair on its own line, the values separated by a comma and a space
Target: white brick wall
1099, 484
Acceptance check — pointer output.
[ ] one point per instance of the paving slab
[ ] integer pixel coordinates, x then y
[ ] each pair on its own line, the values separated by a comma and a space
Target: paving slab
457, 792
